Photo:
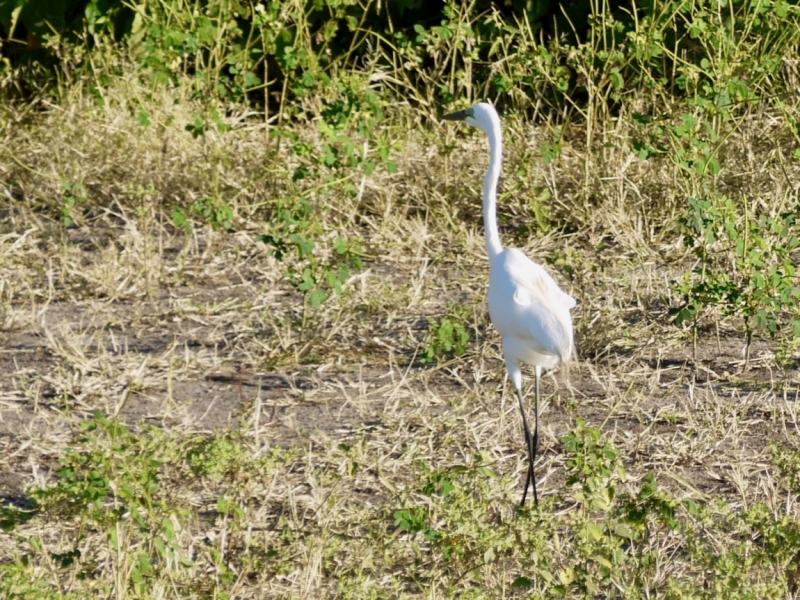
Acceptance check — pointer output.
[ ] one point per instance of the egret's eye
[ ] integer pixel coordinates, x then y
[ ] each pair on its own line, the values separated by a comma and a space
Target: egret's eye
470, 113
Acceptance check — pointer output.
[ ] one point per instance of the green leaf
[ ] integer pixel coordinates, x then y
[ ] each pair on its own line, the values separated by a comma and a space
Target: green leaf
602, 560
304, 245
143, 119
144, 564
594, 530
522, 582
616, 79
333, 281
317, 297
432, 534
160, 548
623, 530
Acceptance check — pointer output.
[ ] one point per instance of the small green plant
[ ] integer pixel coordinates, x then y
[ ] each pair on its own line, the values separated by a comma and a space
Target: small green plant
181, 220
216, 458
72, 196
744, 265
616, 522
787, 463
415, 519
201, 123
111, 482
214, 212
350, 145
593, 465
291, 236
18, 581
13, 516
447, 337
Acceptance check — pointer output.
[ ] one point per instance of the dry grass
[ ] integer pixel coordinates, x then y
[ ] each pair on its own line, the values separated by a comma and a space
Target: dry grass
289, 438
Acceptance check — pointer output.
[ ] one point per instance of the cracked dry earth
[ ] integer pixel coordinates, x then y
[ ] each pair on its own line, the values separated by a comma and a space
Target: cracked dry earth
191, 334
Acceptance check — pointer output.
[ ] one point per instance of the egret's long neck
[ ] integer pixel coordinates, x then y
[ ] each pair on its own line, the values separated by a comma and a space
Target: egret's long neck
493, 245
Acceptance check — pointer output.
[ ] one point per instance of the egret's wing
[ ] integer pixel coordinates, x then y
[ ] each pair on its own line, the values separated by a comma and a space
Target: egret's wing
533, 280
541, 308
539, 324
543, 288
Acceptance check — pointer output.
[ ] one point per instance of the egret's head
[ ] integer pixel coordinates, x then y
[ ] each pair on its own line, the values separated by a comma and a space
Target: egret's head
482, 115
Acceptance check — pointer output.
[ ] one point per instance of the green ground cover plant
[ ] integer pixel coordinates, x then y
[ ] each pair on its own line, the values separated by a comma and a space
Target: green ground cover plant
243, 299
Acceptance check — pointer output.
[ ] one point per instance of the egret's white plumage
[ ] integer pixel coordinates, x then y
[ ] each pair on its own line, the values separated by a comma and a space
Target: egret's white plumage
526, 306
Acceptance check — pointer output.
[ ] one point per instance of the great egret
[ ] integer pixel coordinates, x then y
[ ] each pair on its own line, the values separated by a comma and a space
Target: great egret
526, 306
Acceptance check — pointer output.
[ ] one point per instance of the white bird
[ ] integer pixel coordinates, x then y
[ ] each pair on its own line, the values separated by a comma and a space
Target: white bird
526, 306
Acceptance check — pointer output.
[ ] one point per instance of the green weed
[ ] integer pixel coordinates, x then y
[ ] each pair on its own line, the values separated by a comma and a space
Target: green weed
744, 265
73, 196
448, 336
111, 482
291, 236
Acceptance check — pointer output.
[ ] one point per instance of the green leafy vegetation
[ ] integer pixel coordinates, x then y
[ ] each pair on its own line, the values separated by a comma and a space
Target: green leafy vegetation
447, 337
293, 233
457, 525
744, 264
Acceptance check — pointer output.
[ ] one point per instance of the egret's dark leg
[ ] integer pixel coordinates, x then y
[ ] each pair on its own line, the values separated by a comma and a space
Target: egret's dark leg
529, 441
532, 442
527, 483
535, 434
